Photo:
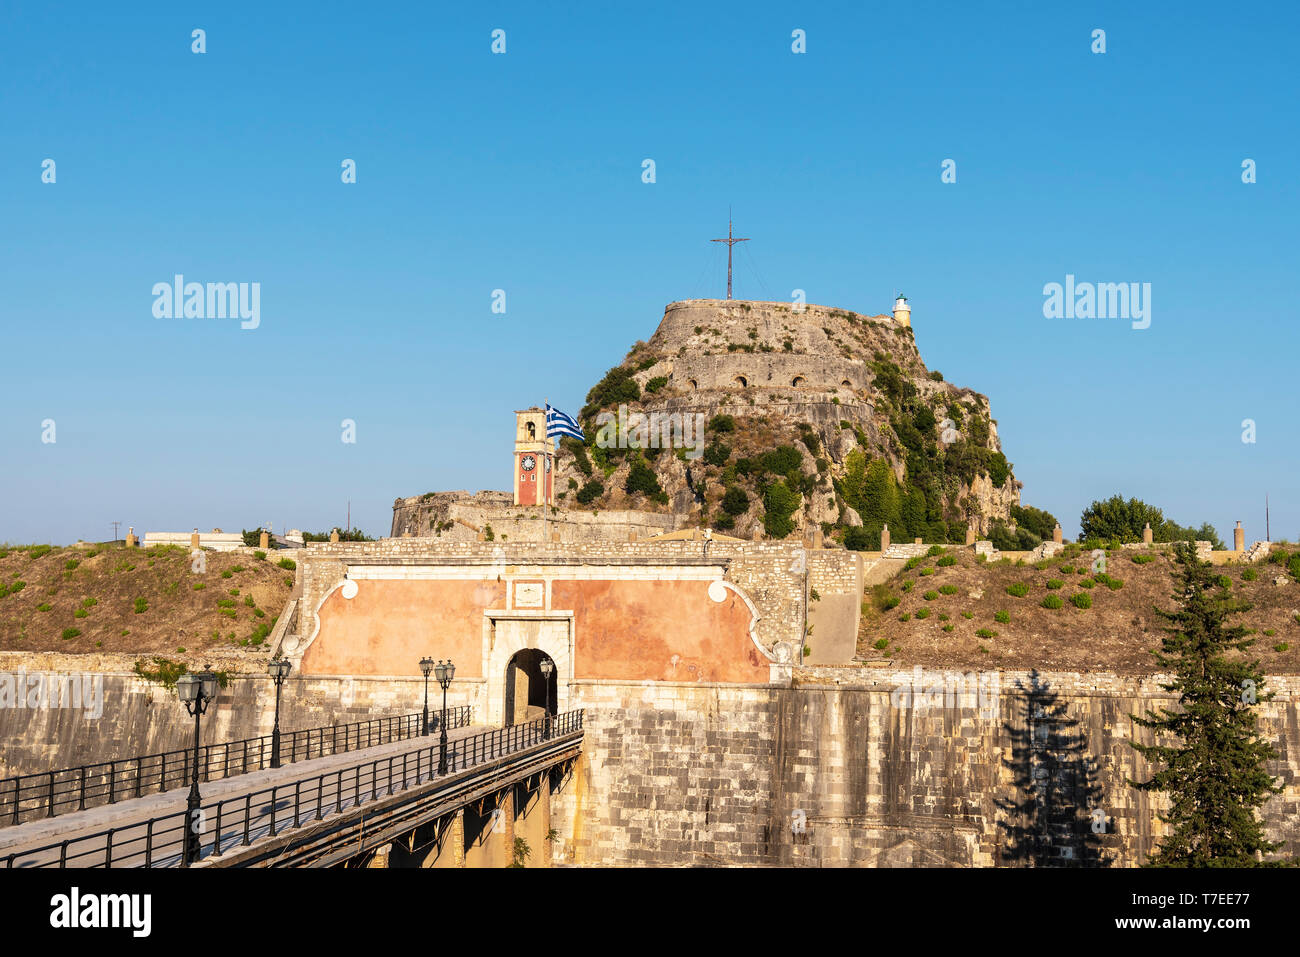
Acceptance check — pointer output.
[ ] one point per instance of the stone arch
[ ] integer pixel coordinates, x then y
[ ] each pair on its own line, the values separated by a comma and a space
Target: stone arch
797, 382
693, 384
507, 634
527, 695
741, 381
847, 383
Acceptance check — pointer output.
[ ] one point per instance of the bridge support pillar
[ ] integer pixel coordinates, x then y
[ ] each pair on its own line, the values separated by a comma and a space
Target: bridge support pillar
532, 805
489, 832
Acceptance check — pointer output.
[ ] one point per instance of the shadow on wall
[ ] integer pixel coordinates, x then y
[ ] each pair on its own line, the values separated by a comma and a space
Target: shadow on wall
1056, 820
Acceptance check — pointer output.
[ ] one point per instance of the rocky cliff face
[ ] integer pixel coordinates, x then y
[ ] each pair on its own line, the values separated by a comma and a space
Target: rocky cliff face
804, 413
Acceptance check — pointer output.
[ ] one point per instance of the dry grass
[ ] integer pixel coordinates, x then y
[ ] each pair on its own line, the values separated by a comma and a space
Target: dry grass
107, 581
1116, 634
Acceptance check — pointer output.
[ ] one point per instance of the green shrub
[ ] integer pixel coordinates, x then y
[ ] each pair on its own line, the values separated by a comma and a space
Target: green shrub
967, 615
735, 502
1224, 581
913, 562
228, 612
947, 627
947, 589
655, 384
225, 603
1086, 583
930, 595
641, 478
1018, 589
16, 587
71, 563
288, 564
591, 491
1052, 601
44, 606
1054, 583
248, 600
721, 423
926, 571
942, 616
1002, 617
890, 603
141, 606
907, 585
1081, 599
716, 453
905, 616
80, 613
935, 550
779, 503
1143, 559
923, 613
986, 633
1114, 584
1249, 575
1067, 569
70, 633
39, 551
1281, 646
1270, 632
946, 561
198, 586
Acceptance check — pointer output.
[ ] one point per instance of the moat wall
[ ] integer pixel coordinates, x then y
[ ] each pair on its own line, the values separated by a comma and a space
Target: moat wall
688, 774
695, 775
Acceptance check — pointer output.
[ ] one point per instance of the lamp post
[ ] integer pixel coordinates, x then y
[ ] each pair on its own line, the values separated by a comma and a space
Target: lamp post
548, 667
196, 691
278, 669
444, 671
426, 665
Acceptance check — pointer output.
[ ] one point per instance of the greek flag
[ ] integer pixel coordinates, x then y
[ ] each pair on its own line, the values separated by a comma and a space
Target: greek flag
557, 423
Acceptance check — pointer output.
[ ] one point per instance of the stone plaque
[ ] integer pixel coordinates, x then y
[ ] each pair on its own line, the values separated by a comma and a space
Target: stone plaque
529, 595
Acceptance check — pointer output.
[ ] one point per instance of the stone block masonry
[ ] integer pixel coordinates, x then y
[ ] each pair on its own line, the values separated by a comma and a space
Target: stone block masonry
696, 775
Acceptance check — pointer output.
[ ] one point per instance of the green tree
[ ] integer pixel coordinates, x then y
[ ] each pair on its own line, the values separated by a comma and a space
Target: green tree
779, 503
1036, 520
1123, 520
1215, 775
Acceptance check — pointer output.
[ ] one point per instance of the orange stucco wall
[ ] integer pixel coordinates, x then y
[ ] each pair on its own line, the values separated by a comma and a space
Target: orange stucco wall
622, 629
633, 629
390, 625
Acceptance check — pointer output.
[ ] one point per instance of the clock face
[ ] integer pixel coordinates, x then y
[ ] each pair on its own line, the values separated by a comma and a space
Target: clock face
528, 462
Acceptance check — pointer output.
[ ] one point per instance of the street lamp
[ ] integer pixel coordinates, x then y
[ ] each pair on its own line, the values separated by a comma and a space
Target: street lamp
548, 667
278, 669
444, 671
426, 665
196, 691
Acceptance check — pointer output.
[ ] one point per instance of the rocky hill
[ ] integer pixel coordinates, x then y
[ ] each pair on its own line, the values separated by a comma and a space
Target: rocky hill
813, 417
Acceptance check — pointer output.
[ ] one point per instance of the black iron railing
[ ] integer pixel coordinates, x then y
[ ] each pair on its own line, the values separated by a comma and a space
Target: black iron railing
239, 821
31, 796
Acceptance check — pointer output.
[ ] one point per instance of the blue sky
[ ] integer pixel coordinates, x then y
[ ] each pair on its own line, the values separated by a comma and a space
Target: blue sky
522, 172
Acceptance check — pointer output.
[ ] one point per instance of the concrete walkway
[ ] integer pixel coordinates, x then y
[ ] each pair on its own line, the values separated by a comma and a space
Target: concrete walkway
127, 818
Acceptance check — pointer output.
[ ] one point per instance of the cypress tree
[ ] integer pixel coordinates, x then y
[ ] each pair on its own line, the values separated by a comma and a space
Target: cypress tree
1215, 775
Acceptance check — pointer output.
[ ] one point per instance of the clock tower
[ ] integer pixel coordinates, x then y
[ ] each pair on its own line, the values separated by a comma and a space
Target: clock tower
534, 459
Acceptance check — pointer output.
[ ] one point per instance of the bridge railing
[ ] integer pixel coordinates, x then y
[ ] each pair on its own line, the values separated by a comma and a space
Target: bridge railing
32, 796
238, 821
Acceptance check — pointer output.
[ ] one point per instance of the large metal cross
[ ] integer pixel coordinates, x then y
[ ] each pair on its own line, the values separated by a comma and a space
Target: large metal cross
730, 241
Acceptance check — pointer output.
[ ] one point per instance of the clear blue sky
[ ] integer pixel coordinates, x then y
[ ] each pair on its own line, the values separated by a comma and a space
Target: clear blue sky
522, 172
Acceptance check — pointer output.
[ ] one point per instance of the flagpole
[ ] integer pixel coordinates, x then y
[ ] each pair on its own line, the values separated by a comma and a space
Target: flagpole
546, 417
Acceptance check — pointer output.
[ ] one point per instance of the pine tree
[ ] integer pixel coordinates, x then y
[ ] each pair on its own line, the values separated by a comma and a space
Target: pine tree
1215, 776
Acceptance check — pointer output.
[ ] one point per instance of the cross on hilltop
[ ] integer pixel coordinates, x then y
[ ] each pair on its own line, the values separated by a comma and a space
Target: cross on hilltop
730, 241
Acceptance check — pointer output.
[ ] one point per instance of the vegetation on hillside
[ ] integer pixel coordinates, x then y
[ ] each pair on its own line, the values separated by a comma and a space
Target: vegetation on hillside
1117, 520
